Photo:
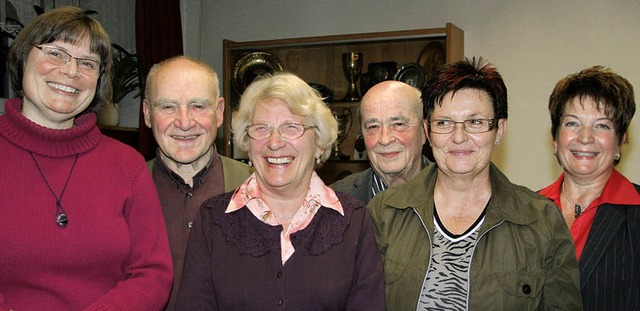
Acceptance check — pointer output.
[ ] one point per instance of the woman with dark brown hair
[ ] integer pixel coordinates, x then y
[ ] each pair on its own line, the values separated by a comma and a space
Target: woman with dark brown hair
82, 225
590, 113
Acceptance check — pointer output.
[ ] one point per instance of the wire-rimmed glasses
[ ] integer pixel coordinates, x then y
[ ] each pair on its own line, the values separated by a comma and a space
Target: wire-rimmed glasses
473, 126
60, 57
287, 130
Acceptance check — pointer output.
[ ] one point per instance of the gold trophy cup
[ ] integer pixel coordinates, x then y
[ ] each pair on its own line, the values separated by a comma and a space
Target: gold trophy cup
345, 120
352, 66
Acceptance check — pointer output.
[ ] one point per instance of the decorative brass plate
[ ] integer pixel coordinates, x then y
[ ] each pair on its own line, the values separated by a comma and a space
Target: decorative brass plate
252, 66
432, 57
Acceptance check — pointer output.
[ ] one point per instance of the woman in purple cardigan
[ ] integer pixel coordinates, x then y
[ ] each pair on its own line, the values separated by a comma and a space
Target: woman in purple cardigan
283, 240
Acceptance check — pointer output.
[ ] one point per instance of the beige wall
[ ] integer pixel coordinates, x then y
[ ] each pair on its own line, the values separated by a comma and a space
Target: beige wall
533, 43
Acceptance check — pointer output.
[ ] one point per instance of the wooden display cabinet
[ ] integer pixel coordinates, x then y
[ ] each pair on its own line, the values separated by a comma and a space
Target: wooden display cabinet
127, 135
319, 60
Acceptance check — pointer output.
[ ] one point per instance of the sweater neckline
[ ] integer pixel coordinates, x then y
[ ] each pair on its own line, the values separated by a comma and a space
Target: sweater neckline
41, 140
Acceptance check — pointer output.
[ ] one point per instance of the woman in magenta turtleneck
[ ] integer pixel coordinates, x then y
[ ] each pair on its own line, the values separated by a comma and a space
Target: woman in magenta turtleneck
82, 227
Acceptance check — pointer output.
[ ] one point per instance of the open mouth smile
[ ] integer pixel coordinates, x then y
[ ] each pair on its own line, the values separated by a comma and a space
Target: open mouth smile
63, 88
282, 160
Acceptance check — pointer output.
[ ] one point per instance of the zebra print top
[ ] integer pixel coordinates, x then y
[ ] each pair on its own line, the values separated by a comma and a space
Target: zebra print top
446, 284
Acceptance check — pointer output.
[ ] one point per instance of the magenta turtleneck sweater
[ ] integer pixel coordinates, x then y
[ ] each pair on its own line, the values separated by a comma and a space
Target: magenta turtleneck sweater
112, 255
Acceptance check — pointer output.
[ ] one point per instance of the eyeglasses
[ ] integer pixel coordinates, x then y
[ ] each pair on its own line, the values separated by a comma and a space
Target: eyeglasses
287, 130
473, 126
61, 57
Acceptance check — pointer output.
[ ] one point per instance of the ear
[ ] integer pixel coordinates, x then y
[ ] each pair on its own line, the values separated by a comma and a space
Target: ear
502, 128
319, 152
624, 139
220, 112
146, 109
425, 125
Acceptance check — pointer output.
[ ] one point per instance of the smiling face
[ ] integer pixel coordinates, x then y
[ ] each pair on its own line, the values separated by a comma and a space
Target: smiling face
586, 142
184, 112
54, 95
393, 131
459, 152
282, 165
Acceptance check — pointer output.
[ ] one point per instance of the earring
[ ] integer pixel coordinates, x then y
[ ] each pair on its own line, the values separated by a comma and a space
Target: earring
318, 161
497, 142
249, 163
555, 152
617, 157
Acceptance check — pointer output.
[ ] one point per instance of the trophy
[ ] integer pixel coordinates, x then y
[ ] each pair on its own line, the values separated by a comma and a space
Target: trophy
344, 126
352, 67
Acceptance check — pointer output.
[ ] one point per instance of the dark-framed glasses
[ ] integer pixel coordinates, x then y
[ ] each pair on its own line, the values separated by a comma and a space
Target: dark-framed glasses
60, 57
287, 130
473, 126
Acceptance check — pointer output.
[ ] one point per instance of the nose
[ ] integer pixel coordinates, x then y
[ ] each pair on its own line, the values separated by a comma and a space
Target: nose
275, 141
459, 134
70, 69
585, 135
183, 120
386, 136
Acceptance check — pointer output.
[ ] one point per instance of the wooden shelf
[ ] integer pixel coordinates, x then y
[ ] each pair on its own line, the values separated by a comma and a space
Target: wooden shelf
117, 128
335, 170
127, 135
319, 60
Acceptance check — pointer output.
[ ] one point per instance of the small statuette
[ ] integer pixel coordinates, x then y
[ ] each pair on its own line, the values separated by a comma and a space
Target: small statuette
61, 220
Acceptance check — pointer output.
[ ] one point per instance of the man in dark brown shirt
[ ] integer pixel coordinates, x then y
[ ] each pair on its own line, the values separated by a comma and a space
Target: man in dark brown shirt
183, 108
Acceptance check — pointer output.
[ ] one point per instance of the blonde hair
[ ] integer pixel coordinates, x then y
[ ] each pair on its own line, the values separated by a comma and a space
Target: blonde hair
299, 97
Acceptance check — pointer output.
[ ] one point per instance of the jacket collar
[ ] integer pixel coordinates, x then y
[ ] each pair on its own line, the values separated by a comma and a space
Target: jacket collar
506, 203
362, 184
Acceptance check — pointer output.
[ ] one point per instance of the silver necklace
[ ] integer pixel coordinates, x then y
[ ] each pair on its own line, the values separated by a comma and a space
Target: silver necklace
579, 208
61, 216
281, 218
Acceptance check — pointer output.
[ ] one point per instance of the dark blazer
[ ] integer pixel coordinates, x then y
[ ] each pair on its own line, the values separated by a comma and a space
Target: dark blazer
610, 261
358, 185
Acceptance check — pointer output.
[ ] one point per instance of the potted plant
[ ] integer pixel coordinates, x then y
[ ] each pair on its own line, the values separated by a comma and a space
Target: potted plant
124, 80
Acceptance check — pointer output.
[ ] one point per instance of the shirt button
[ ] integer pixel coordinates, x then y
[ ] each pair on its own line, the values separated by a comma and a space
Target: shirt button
189, 194
280, 302
190, 224
526, 289
279, 275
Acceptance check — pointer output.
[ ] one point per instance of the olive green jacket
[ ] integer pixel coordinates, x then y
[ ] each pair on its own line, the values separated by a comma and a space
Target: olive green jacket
524, 258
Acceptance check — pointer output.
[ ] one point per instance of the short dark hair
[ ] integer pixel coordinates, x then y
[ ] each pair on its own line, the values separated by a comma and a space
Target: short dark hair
612, 93
69, 24
466, 74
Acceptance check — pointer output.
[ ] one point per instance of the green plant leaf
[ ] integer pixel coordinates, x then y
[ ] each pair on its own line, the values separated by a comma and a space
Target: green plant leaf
124, 77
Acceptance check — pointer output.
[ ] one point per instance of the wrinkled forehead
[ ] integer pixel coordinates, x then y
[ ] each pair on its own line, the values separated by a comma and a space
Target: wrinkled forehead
385, 110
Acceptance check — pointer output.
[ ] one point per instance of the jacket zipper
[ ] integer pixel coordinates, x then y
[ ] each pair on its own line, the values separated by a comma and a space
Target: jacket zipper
430, 252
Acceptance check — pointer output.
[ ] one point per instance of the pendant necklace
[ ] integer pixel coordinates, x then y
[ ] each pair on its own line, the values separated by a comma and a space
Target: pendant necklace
61, 215
579, 208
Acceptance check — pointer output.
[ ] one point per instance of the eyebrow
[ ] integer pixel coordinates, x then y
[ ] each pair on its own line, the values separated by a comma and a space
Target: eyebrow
371, 120
598, 119
399, 118
165, 101
200, 100
469, 117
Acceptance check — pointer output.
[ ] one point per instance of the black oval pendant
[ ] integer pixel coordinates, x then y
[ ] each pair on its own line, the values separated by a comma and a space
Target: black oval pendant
61, 220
